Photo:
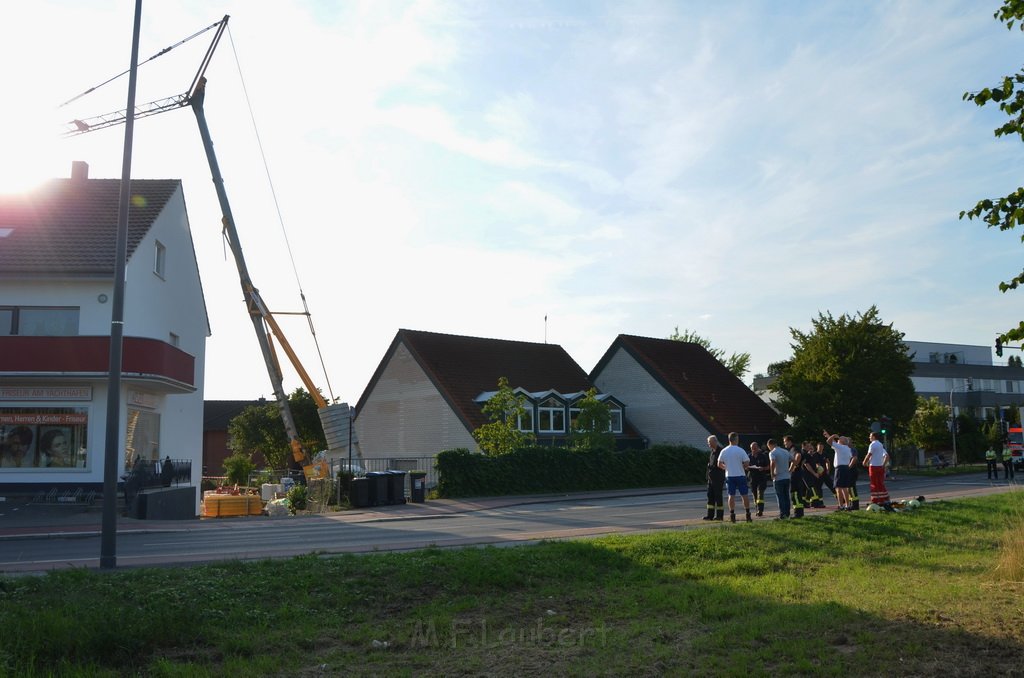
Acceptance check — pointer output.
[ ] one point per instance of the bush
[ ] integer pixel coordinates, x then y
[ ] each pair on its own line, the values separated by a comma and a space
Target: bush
297, 498
237, 468
462, 473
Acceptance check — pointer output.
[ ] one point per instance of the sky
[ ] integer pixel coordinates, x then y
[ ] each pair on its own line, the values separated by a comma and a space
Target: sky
549, 171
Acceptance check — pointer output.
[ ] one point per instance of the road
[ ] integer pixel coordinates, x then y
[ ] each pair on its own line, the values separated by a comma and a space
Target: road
527, 520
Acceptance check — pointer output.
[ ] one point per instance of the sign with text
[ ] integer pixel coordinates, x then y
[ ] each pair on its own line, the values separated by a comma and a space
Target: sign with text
45, 392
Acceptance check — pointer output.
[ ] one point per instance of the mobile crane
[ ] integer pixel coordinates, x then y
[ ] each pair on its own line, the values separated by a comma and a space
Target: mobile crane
334, 417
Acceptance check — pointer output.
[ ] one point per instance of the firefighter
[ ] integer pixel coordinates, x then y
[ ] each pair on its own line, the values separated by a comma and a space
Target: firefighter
815, 468
758, 471
1008, 463
797, 488
716, 482
990, 463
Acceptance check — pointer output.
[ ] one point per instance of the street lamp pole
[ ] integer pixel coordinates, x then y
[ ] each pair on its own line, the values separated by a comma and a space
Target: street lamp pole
952, 423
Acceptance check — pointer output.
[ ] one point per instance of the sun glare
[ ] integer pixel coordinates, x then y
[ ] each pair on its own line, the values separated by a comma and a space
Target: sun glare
31, 153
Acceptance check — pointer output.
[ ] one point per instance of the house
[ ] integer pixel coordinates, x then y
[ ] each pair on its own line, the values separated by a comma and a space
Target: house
428, 391
679, 394
217, 414
57, 261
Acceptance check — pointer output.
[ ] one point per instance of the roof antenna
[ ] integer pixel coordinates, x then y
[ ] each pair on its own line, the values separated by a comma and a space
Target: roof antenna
545, 328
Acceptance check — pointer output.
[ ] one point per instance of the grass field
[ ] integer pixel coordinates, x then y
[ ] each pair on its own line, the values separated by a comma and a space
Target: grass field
935, 591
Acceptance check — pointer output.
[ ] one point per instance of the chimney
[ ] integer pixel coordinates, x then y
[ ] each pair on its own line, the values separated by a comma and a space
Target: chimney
79, 171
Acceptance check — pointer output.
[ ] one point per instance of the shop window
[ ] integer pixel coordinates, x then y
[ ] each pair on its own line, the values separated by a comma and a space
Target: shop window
43, 438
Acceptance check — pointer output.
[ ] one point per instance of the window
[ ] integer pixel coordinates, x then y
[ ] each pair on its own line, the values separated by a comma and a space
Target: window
37, 321
525, 422
574, 418
1009, 386
142, 439
43, 438
615, 418
551, 416
174, 340
160, 259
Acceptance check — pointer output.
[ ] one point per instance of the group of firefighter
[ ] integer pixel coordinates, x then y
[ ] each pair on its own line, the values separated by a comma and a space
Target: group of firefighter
810, 471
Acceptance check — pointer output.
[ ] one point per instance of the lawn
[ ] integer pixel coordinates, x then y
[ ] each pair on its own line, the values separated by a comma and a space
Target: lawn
932, 591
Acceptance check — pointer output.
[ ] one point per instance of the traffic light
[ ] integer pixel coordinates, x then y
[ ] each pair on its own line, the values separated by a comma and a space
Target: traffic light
884, 422
999, 346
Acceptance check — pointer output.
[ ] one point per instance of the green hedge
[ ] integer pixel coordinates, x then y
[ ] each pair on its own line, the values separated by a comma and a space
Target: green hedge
533, 470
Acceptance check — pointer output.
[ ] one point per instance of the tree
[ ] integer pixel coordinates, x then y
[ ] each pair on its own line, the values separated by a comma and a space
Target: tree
1006, 212
592, 428
929, 427
846, 373
259, 429
502, 435
737, 363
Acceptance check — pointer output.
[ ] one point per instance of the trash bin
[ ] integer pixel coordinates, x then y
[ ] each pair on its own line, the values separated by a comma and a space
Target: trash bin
418, 493
378, 482
396, 487
359, 493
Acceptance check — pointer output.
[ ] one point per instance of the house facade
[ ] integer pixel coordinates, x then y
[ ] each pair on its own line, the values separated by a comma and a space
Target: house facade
678, 394
57, 260
428, 392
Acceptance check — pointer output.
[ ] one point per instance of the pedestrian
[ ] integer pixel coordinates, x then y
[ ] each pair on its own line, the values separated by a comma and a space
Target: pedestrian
814, 474
796, 490
854, 477
876, 459
716, 481
779, 460
759, 472
1008, 463
734, 460
990, 463
167, 472
842, 462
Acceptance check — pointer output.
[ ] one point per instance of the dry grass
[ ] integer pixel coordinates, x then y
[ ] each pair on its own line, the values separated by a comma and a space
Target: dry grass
1010, 563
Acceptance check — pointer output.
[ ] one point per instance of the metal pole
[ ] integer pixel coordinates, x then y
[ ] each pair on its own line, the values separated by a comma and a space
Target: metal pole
952, 424
111, 453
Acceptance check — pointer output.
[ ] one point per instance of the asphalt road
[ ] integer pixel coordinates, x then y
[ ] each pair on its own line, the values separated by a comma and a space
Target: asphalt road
518, 521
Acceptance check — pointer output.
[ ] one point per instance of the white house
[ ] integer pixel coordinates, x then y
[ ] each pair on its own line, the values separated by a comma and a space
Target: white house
57, 259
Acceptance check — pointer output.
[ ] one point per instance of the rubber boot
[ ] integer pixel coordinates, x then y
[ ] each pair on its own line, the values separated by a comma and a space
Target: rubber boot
732, 517
749, 519
711, 513
719, 514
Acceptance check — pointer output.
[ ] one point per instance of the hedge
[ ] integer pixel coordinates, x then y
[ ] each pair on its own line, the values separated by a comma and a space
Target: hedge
535, 470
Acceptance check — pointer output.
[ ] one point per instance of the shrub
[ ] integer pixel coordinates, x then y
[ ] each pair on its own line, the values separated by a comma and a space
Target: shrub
297, 498
237, 468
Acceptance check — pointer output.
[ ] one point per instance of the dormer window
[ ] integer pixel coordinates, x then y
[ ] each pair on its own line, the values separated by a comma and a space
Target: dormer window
615, 418
525, 420
551, 416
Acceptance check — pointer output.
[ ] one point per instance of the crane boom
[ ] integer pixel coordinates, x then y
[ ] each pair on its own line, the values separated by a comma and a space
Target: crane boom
261, 317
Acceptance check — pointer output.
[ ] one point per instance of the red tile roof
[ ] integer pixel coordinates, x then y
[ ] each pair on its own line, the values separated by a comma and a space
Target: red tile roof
701, 384
69, 226
462, 368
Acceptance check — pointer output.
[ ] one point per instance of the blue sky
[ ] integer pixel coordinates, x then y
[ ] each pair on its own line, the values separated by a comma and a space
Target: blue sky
470, 168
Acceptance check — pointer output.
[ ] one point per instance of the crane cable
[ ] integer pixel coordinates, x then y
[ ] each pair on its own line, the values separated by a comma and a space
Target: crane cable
162, 52
280, 218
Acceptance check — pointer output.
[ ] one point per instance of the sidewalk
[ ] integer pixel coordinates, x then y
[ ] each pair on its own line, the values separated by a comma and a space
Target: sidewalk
21, 519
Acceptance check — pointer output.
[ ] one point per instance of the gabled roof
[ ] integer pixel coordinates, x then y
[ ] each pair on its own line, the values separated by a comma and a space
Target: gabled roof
69, 226
701, 384
461, 368
218, 413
